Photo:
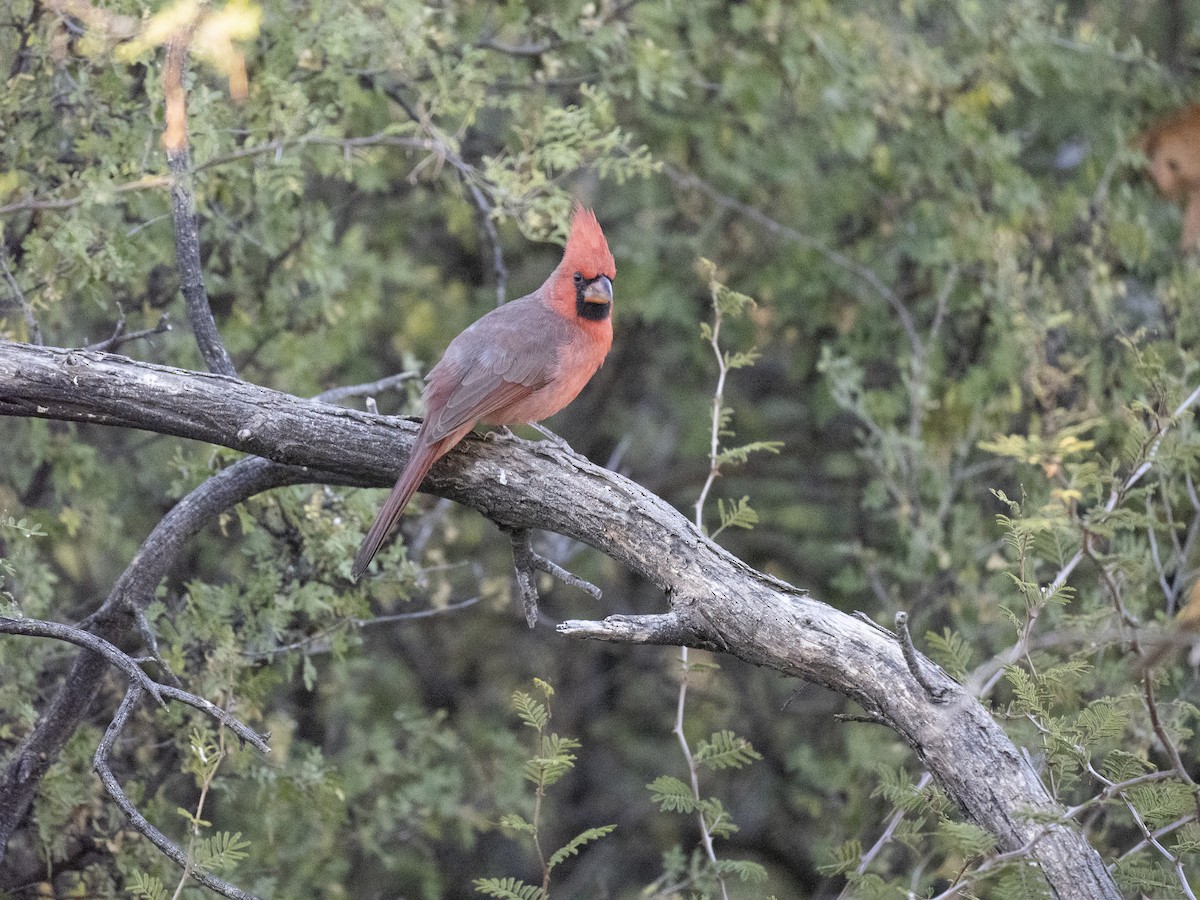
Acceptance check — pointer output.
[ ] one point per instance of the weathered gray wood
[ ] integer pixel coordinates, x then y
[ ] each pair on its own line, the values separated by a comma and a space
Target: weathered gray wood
716, 600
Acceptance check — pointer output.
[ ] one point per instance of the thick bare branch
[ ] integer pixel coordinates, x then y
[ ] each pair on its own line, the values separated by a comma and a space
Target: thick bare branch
717, 601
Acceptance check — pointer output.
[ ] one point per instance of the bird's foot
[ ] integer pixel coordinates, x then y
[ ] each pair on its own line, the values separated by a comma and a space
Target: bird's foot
504, 434
554, 439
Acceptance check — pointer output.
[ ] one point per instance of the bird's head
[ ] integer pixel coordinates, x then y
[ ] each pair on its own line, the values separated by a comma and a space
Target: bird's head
582, 283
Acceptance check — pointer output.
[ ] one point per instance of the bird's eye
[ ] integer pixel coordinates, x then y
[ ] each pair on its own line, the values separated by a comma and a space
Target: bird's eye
578, 278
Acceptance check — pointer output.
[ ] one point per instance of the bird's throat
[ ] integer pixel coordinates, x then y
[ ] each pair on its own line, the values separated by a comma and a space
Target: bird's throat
592, 311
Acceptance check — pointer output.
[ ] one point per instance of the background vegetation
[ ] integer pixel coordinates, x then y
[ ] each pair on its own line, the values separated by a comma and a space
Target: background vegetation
970, 305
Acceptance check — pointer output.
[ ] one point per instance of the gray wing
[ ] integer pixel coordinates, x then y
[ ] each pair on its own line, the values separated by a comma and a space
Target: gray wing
504, 356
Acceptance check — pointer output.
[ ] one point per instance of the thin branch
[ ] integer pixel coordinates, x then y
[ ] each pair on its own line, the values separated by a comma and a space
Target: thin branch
80, 638
1150, 838
183, 213
134, 589
153, 182
244, 732
1135, 646
35, 331
889, 830
146, 182
136, 819
528, 49
390, 383
318, 643
1154, 836
277, 146
688, 180
991, 863
120, 338
470, 178
997, 664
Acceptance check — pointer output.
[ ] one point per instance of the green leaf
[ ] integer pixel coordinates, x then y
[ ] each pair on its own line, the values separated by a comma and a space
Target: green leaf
744, 869
966, 838
672, 795
1120, 766
221, 850
1101, 719
845, 859
739, 455
1162, 802
571, 848
725, 750
146, 887
508, 889
557, 761
736, 514
717, 818
950, 651
513, 822
1029, 699
532, 713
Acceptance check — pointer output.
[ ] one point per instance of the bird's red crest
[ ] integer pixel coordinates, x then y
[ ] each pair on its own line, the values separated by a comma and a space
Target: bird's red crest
587, 250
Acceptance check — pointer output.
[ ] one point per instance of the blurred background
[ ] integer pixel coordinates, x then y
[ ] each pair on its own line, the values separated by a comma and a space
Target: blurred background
964, 281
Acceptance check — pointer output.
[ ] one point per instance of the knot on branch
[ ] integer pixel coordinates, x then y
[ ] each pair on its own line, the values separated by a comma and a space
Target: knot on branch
916, 663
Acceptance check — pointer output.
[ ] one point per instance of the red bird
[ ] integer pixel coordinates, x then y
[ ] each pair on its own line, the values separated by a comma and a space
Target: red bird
520, 363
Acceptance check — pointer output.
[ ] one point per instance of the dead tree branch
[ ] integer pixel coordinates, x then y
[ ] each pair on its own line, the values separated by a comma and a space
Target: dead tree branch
716, 600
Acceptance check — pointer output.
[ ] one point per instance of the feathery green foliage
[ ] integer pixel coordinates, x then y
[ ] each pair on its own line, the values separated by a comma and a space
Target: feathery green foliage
966, 290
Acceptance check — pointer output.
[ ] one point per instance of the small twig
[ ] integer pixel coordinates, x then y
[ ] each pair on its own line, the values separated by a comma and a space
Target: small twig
136, 819
128, 665
151, 642
390, 383
210, 773
1135, 646
911, 657
470, 178
152, 182
31, 203
992, 863
693, 770
35, 331
863, 617
860, 717
119, 338
312, 645
526, 560
527, 49
889, 830
244, 732
1153, 836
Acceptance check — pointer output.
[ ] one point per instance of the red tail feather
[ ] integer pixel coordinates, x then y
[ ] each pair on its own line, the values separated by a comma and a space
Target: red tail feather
419, 464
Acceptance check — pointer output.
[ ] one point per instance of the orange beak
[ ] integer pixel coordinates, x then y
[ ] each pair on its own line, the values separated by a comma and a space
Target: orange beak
599, 291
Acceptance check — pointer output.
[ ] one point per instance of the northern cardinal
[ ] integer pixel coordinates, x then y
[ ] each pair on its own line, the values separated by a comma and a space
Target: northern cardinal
1173, 149
520, 363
